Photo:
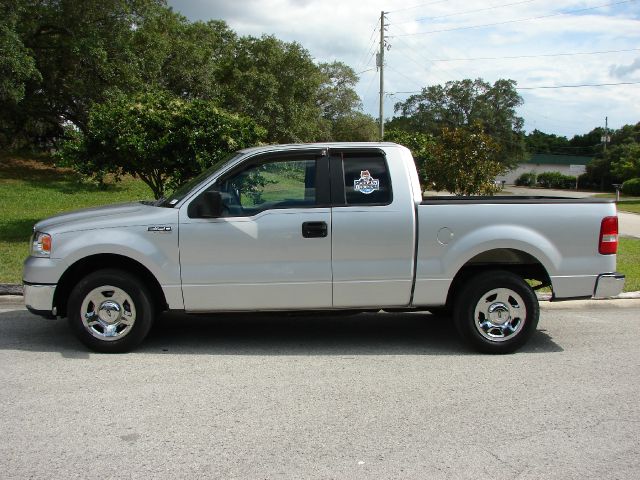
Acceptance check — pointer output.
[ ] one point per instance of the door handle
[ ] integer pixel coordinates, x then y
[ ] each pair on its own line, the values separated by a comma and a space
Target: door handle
314, 229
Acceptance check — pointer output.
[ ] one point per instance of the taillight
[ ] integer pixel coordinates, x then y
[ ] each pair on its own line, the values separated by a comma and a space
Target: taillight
608, 244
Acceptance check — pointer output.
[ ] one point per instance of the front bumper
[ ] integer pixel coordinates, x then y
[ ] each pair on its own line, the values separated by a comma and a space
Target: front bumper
609, 285
39, 299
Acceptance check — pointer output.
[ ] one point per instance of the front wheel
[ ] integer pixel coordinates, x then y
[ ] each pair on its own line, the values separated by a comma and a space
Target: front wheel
496, 312
110, 311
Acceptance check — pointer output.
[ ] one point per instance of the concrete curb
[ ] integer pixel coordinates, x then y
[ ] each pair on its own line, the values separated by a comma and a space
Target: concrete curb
10, 289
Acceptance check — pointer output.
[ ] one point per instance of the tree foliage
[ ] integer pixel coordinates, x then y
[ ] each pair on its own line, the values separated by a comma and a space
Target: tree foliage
337, 96
354, 127
162, 139
461, 104
276, 83
463, 162
540, 142
17, 66
626, 160
421, 146
65, 57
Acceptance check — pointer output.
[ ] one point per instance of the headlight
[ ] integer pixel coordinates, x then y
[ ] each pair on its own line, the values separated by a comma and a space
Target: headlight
41, 244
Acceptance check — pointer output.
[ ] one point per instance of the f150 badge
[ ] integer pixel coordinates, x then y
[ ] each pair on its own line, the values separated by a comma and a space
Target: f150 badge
159, 228
366, 183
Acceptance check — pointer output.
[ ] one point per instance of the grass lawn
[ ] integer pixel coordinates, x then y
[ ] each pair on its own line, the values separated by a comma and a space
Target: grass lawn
632, 206
629, 263
626, 204
32, 190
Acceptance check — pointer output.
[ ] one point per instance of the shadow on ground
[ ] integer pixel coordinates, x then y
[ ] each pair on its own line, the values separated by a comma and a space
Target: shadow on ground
363, 334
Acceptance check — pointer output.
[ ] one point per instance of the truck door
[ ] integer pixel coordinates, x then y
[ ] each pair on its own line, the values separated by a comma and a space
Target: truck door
271, 247
373, 226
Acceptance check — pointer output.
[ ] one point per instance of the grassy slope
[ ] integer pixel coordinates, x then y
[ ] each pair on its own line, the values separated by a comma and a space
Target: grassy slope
31, 191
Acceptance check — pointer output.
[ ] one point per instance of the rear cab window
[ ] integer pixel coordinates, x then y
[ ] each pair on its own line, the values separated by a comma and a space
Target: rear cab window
366, 178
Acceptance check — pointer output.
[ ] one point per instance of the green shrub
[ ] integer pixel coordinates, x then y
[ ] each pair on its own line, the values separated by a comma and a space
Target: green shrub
526, 180
631, 187
161, 139
556, 180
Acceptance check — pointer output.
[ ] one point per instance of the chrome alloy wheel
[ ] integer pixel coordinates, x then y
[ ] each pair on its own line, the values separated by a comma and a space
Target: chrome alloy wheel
108, 313
500, 314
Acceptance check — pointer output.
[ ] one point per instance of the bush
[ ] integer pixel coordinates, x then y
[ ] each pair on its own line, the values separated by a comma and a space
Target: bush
556, 180
526, 180
162, 139
631, 187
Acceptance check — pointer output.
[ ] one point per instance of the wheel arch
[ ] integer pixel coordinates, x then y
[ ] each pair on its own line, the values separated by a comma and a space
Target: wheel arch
512, 260
89, 264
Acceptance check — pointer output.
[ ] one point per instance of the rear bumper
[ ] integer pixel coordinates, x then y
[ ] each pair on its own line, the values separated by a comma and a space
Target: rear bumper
608, 285
39, 299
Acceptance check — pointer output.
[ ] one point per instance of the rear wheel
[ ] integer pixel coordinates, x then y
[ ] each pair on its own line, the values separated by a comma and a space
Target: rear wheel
496, 312
110, 311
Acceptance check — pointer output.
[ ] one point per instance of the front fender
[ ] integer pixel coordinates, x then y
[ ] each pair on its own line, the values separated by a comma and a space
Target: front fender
158, 252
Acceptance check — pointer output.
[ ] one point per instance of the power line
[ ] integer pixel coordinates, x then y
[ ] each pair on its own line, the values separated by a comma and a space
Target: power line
566, 54
465, 12
367, 70
539, 17
449, 69
365, 60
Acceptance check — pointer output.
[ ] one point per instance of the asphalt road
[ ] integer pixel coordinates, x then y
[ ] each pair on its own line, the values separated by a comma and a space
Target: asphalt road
387, 396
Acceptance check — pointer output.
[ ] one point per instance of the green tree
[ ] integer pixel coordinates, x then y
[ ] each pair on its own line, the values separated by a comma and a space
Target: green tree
421, 146
540, 142
463, 161
337, 97
626, 160
355, 127
17, 65
607, 166
162, 139
341, 106
81, 51
460, 104
181, 57
276, 83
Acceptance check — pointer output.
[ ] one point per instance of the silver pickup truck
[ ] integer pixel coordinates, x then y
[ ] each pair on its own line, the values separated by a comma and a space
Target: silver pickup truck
320, 227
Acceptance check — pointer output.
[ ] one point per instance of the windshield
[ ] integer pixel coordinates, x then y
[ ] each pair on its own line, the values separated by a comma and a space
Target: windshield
179, 193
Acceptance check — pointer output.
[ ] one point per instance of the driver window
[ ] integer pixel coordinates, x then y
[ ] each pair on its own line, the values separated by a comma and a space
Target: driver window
272, 184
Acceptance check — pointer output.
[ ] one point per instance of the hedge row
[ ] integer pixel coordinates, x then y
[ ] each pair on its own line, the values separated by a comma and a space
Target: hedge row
546, 180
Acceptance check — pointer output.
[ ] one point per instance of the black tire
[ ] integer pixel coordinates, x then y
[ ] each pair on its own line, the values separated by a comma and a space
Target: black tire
489, 312
120, 297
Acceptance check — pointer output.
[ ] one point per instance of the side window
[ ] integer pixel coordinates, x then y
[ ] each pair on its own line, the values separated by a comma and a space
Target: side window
366, 179
272, 184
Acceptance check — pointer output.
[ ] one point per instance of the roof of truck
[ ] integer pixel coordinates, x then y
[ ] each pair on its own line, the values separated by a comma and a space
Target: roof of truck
302, 146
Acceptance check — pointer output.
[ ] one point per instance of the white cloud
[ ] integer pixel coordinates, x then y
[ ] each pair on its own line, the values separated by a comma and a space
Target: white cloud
342, 30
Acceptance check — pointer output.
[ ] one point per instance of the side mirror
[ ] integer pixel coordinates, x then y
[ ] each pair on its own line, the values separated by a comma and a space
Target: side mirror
208, 205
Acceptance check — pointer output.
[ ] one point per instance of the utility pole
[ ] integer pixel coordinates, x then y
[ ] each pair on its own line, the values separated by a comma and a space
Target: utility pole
606, 132
380, 64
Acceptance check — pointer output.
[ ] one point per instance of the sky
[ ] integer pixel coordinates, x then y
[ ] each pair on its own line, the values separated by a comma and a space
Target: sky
555, 43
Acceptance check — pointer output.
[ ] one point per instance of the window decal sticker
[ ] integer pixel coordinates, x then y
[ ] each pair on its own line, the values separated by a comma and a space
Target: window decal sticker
366, 183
